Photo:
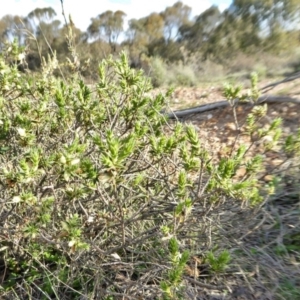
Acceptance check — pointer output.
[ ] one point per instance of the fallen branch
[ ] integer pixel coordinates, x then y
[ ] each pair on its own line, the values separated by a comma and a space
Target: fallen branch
225, 103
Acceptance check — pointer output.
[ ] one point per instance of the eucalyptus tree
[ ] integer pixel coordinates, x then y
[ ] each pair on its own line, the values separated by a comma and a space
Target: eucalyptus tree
274, 18
136, 40
174, 17
12, 26
153, 26
197, 34
142, 33
233, 35
44, 30
269, 14
145, 30
40, 15
107, 26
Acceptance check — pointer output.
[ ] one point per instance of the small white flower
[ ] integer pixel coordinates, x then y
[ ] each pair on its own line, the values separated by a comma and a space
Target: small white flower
16, 199
267, 139
75, 161
63, 160
28, 180
21, 56
21, 132
116, 256
166, 238
71, 243
90, 219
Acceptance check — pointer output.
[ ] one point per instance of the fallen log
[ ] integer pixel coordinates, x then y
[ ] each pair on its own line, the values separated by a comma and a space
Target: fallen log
220, 104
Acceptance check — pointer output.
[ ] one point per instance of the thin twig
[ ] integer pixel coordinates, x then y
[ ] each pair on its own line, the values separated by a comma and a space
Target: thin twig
63, 12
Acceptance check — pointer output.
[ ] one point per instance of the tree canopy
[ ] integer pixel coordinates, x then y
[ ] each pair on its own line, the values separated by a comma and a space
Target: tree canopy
245, 27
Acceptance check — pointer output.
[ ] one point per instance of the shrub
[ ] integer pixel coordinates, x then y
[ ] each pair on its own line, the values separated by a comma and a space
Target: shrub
102, 196
182, 75
162, 74
158, 71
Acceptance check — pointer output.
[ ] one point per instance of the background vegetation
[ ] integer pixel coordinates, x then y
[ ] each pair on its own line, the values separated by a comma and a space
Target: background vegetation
254, 33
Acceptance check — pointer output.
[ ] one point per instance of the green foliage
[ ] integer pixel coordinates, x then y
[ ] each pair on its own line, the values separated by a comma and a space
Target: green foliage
163, 74
158, 72
292, 144
182, 75
98, 184
173, 285
288, 289
108, 24
218, 263
175, 17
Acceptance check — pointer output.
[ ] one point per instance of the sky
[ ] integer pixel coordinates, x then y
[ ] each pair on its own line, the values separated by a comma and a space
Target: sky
83, 10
